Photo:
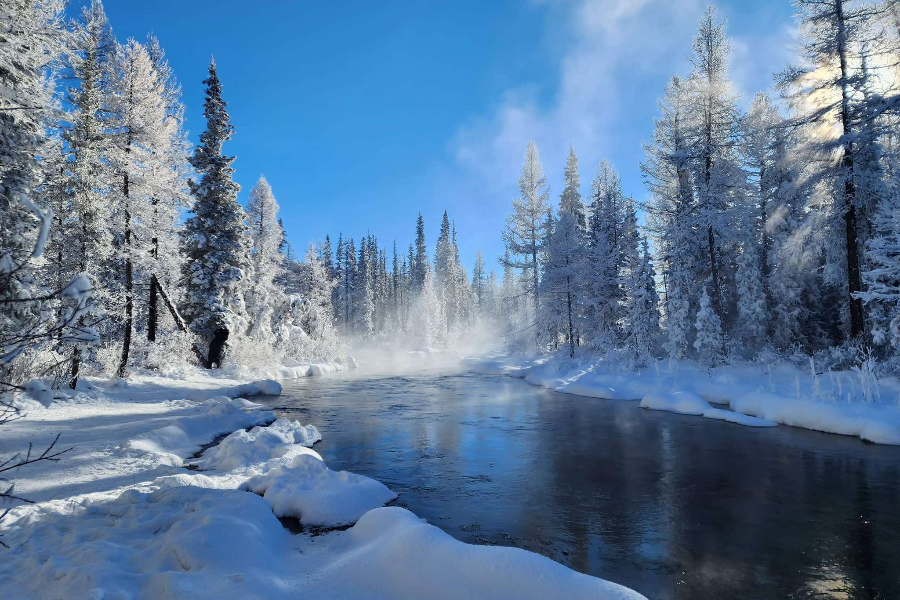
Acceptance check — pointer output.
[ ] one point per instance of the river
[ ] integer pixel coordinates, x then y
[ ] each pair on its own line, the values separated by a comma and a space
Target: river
675, 507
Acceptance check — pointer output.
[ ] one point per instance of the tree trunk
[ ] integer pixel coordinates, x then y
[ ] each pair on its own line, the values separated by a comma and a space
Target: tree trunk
569, 307
129, 286
854, 279
152, 306
76, 364
152, 310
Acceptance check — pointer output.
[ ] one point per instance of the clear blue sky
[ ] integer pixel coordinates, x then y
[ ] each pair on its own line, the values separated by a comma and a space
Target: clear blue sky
361, 114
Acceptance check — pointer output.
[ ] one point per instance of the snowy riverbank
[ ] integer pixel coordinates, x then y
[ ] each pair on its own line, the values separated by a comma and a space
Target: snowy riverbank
136, 510
841, 402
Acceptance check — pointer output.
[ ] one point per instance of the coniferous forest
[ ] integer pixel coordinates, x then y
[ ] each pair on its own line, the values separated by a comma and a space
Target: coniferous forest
755, 267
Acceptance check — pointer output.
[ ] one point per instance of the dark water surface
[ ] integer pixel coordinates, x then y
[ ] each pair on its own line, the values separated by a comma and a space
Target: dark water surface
672, 506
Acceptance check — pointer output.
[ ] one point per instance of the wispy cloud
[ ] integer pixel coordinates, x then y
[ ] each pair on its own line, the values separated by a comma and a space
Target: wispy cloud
611, 41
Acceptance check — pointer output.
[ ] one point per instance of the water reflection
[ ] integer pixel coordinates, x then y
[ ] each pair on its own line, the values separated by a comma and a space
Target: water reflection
672, 506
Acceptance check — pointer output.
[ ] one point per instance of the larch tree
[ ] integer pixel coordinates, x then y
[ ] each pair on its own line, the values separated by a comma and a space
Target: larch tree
170, 195
711, 144
671, 214
524, 233
845, 43
265, 233
87, 238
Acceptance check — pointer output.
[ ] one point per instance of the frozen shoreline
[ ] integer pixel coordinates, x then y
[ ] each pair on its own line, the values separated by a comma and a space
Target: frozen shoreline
756, 395
120, 515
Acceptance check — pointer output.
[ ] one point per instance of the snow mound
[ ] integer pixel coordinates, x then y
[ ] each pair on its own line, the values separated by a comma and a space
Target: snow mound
689, 403
184, 438
401, 556
259, 445
871, 422
191, 542
307, 489
685, 403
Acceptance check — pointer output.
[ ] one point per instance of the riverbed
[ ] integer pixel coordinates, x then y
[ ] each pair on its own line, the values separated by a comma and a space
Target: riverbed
673, 506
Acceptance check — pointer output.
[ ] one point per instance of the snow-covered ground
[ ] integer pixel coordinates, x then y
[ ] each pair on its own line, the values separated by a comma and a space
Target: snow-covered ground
139, 509
842, 402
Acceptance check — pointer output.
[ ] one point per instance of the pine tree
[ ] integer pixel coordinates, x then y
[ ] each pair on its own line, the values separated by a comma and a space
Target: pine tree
419, 262
215, 245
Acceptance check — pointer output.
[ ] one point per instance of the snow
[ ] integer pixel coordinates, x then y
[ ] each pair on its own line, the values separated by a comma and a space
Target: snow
218, 416
871, 422
757, 394
688, 403
120, 517
289, 369
191, 542
259, 445
318, 496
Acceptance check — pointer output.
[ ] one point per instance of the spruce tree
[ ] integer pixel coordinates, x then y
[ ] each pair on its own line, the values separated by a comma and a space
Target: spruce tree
215, 243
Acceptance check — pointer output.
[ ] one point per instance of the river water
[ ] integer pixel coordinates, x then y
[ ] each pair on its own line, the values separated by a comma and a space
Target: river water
675, 507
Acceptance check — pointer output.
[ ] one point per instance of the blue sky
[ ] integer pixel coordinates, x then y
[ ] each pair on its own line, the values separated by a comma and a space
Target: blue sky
361, 114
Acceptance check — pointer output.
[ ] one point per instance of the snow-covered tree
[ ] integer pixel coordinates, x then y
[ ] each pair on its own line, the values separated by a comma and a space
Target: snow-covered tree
426, 317
711, 142
642, 304
170, 193
601, 290
845, 43
751, 300
524, 227
86, 241
419, 265
479, 283
216, 246
565, 262
265, 260
709, 342
671, 215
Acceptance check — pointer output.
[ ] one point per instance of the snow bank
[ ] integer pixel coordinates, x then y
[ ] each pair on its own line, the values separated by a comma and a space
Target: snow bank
318, 496
871, 422
688, 403
190, 432
191, 542
290, 369
259, 445
758, 395
393, 554
685, 403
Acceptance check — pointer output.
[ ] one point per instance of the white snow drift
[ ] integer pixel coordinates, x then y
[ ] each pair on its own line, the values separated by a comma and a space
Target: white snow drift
308, 490
758, 395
